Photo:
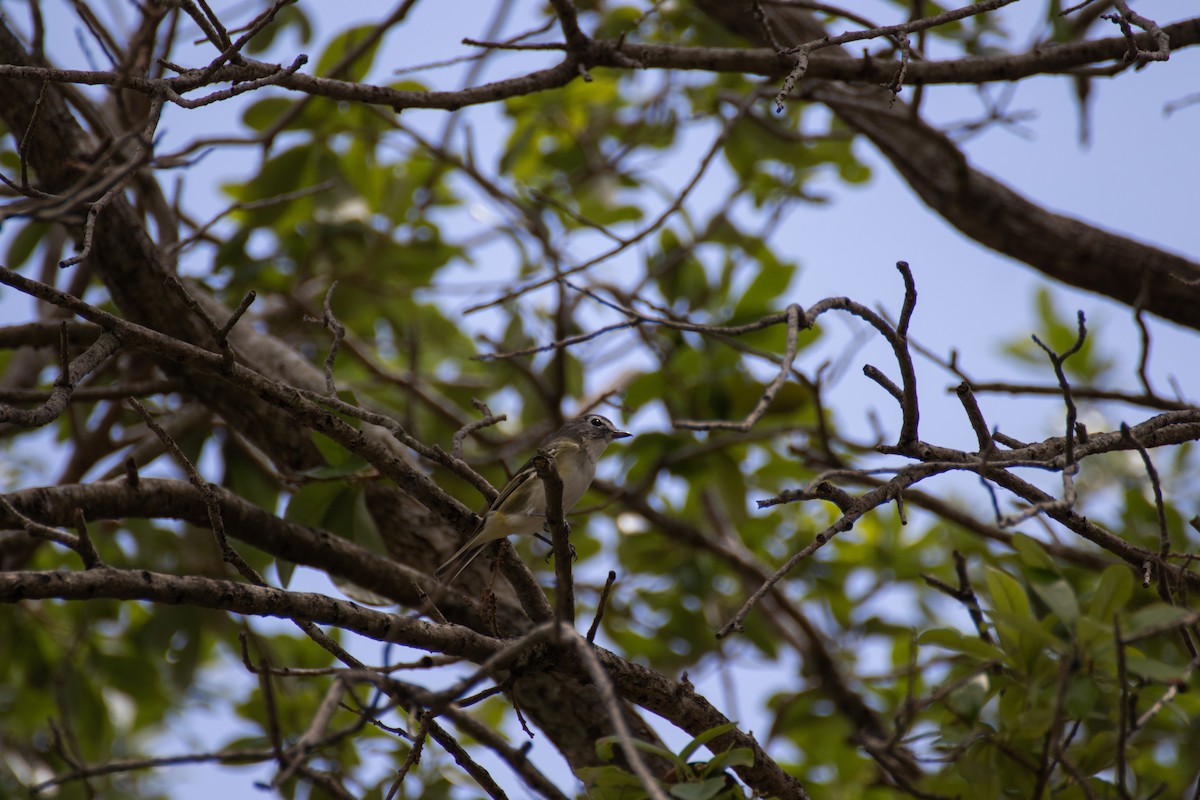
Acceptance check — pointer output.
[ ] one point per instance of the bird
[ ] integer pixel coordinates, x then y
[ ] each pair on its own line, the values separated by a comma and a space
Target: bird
521, 504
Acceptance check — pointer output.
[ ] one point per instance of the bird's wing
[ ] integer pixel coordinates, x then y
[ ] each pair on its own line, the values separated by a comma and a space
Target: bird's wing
518, 480
454, 565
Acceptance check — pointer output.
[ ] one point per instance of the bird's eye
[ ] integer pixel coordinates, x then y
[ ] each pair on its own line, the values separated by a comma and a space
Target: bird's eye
596, 423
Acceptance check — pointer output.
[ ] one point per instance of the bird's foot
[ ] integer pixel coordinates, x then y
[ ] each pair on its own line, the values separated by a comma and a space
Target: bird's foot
550, 555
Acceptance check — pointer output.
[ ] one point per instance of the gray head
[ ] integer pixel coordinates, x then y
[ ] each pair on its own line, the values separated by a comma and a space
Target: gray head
592, 427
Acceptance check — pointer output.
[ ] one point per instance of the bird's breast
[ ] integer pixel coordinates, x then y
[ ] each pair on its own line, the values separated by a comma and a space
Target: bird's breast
576, 471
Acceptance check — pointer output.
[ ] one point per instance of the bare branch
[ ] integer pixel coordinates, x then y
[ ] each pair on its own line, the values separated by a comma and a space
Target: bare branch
600, 605
462, 433
1126, 20
60, 396
40, 531
244, 598
207, 491
339, 333
796, 319
802, 52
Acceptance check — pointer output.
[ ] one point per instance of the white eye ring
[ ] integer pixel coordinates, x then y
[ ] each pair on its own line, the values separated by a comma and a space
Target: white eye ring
596, 422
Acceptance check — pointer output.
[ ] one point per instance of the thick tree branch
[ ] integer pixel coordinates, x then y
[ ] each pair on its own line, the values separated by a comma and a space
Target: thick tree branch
616, 54
242, 598
158, 498
1061, 247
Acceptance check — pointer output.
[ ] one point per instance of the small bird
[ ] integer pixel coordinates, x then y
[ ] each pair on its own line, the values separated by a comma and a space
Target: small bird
521, 506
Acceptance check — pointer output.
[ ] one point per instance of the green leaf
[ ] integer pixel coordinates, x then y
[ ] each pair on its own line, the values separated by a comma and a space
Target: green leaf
971, 645
339, 462
1011, 614
285, 172
1098, 753
1031, 552
969, 700
1157, 615
646, 388
611, 783
1057, 594
982, 769
247, 478
286, 570
1082, 695
1153, 669
1008, 596
1112, 593
311, 504
1033, 635
266, 112
24, 242
704, 790
290, 16
704, 738
366, 532
344, 43
608, 742
762, 296
737, 757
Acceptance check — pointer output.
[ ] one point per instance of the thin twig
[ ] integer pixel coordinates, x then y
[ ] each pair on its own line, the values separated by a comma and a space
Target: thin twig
1080, 779
434, 453
1139, 309
1084, 392
1123, 709
982, 434
616, 712
224, 331
559, 344
27, 138
414, 755
118, 179
40, 531
87, 549
250, 205
194, 306
64, 387
600, 606
211, 502
232, 52
1164, 539
488, 419
339, 333
851, 514
1125, 20
1173, 691
1053, 737
499, 660
208, 23
679, 198
795, 319
271, 79
295, 756
130, 765
802, 52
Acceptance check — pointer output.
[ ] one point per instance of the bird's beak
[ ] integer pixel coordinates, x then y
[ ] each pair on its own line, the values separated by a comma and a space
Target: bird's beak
621, 434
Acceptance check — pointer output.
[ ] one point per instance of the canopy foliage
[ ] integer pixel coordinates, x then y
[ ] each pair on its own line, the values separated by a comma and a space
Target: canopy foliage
413, 279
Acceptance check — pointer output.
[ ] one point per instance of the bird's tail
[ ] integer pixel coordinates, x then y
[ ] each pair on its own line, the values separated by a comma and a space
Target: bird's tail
454, 565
